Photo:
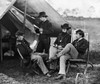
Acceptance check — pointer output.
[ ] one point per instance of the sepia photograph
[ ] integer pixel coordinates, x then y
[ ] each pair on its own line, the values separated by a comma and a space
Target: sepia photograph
49, 41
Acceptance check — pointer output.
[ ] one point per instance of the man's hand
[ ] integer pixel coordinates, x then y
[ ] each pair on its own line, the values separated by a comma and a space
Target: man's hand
41, 30
55, 46
59, 54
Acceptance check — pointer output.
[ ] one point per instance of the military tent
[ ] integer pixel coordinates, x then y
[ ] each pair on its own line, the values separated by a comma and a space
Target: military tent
12, 16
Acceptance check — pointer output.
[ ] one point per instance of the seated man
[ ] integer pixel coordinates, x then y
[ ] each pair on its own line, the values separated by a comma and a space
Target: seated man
27, 51
72, 50
63, 38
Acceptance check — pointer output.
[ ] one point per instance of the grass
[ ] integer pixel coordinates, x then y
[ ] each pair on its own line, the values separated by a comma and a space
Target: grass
11, 68
94, 57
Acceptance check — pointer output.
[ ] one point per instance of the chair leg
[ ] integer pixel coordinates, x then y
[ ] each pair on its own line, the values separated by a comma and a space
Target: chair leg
34, 67
85, 70
77, 77
68, 67
91, 64
21, 63
36, 72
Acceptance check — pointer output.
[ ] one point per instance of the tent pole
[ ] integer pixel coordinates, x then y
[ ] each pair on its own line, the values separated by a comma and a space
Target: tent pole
25, 10
1, 56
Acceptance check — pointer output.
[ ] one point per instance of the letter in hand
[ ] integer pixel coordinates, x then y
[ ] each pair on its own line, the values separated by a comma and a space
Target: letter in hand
33, 45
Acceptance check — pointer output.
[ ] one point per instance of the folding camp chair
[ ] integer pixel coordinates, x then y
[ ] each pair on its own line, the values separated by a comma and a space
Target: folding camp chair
26, 61
22, 60
77, 61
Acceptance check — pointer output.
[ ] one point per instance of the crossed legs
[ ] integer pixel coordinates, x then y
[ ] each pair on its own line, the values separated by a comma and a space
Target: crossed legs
68, 52
69, 49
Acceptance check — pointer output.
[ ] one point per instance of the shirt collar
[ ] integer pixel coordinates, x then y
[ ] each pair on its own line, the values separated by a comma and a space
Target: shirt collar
80, 38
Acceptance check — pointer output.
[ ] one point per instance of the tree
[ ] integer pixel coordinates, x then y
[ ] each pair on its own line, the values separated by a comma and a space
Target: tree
75, 11
66, 12
91, 10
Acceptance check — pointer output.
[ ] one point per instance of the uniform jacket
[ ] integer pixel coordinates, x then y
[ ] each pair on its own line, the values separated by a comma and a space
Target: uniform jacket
63, 39
47, 28
24, 47
81, 45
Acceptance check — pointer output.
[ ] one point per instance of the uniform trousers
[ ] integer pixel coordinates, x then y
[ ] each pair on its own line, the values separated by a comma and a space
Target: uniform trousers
40, 62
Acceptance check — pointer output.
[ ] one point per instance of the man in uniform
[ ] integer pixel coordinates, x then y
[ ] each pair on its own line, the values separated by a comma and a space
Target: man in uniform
62, 39
45, 30
72, 50
28, 53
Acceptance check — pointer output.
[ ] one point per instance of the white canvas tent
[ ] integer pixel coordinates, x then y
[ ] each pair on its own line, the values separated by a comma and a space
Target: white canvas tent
5, 5
36, 6
13, 20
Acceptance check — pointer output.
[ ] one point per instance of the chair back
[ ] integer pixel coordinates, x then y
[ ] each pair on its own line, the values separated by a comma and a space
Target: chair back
22, 51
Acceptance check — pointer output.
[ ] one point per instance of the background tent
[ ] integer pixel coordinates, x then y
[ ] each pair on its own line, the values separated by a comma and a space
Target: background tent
36, 6
7, 23
5, 5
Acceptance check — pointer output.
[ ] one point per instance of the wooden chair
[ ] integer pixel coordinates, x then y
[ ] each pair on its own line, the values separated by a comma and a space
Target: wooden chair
25, 61
77, 61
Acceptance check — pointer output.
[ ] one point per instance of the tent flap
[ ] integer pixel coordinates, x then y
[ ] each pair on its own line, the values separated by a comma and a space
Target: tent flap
5, 5
36, 6
20, 19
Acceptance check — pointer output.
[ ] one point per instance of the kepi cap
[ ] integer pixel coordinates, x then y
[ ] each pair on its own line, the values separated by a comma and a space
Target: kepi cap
65, 26
42, 14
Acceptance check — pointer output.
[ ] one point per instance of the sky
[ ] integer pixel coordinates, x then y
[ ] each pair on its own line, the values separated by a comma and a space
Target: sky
86, 8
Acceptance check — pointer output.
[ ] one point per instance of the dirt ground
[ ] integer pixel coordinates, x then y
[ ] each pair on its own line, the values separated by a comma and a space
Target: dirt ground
12, 73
